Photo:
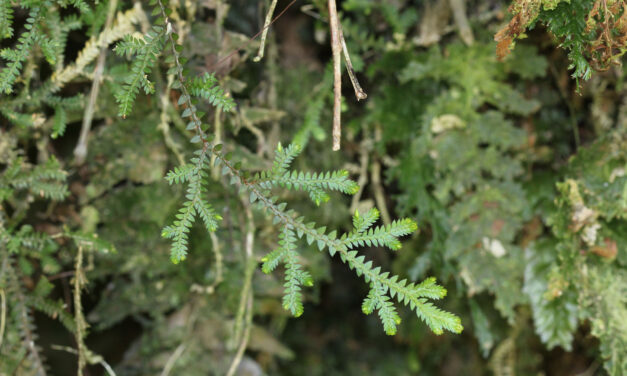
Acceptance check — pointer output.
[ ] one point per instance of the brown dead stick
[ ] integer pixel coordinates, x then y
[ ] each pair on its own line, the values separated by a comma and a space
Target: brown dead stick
359, 92
336, 46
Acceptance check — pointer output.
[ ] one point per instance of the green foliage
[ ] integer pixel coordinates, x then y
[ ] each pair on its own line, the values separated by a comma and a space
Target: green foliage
517, 185
6, 19
554, 311
44, 180
592, 32
315, 184
146, 50
19, 54
206, 87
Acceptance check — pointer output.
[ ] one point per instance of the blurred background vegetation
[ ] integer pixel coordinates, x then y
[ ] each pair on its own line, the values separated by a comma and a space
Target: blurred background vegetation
513, 166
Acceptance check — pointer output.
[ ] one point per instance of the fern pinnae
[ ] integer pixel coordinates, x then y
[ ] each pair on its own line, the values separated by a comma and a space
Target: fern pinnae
294, 275
23, 315
16, 56
6, 19
147, 51
258, 192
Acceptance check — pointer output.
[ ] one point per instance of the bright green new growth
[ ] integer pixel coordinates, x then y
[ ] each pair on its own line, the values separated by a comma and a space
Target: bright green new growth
206, 87
294, 276
315, 184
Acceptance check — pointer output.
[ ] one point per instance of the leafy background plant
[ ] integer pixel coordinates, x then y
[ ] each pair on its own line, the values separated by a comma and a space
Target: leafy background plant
512, 171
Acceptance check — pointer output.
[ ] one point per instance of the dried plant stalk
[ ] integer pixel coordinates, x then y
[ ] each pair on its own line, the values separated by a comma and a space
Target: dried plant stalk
336, 46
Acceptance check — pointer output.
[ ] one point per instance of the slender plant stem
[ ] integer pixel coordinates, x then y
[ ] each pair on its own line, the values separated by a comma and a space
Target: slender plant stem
81, 325
266, 26
379, 193
359, 92
172, 359
244, 45
247, 293
3, 314
244, 343
80, 152
215, 246
336, 46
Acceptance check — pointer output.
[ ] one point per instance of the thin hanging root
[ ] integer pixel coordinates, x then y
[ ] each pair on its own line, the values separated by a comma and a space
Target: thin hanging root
359, 92
336, 46
266, 26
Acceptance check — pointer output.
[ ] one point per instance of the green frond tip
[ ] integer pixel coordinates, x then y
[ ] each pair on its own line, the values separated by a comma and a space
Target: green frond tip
438, 320
382, 236
146, 50
377, 300
362, 223
6, 19
283, 158
430, 289
206, 87
295, 276
181, 174
316, 185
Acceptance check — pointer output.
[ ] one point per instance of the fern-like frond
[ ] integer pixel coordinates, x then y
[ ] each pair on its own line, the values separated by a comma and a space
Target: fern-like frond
54, 309
387, 288
147, 50
206, 87
383, 236
430, 289
18, 55
363, 222
273, 259
81, 5
22, 317
180, 174
283, 158
122, 26
178, 232
60, 122
194, 204
315, 184
6, 19
45, 180
294, 275
377, 300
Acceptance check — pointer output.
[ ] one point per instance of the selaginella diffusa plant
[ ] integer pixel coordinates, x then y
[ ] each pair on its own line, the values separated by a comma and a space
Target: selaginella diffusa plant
472, 147
162, 38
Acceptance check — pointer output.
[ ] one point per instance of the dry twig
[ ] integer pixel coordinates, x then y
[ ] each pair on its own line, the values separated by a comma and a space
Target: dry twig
359, 92
266, 26
80, 152
336, 46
